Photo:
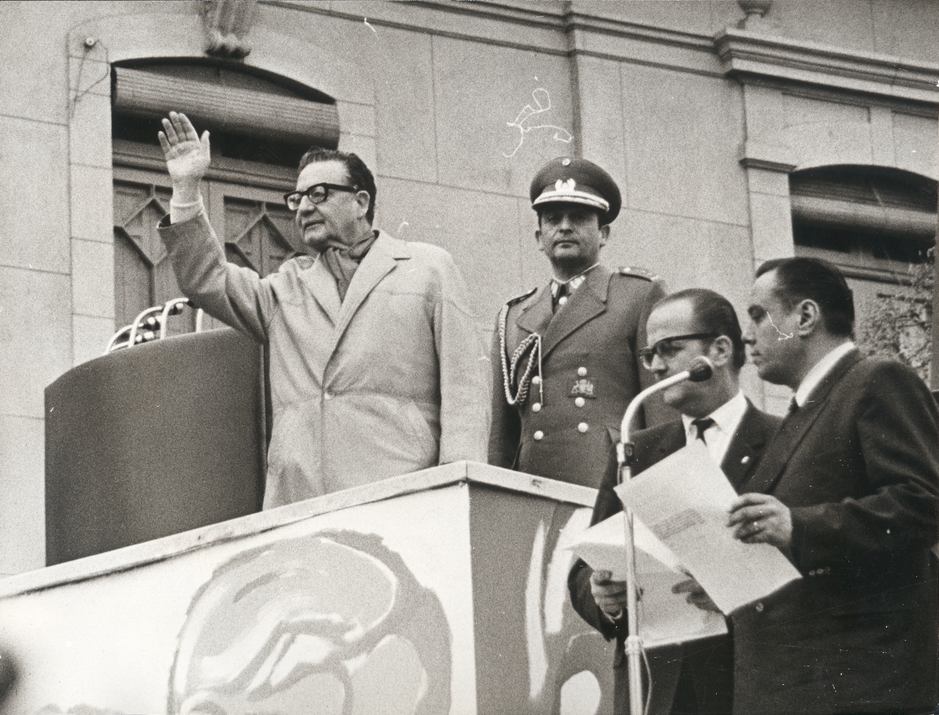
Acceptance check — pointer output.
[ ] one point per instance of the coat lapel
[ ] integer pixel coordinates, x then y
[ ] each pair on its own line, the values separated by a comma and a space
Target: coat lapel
381, 259
323, 287
586, 303
794, 428
656, 443
746, 447
536, 314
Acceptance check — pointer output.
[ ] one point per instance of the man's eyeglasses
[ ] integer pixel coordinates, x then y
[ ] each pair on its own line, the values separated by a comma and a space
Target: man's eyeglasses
667, 349
317, 194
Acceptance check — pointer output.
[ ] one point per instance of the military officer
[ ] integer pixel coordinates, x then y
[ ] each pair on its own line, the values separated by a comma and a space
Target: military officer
564, 355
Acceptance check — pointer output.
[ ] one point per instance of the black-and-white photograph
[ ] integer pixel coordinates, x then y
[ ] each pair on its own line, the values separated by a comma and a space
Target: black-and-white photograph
469, 357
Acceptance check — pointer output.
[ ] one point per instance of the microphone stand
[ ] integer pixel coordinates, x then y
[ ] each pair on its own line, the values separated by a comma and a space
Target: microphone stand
701, 369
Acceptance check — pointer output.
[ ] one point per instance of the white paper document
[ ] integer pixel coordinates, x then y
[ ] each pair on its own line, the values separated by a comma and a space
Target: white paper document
664, 617
684, 500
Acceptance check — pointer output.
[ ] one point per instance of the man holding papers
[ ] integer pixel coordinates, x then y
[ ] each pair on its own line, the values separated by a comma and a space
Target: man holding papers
849, 489
694, 678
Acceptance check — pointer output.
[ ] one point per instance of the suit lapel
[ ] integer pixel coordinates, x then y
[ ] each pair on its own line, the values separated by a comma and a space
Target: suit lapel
656, 443
381, 259
745, 448
673, 439
586, 303
795, 427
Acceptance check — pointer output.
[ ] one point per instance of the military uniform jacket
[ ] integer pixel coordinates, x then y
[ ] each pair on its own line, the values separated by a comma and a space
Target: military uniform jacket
587, 373
389, 381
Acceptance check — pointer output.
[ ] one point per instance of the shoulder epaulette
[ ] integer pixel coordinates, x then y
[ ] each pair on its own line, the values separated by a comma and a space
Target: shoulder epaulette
520, 298
636, 272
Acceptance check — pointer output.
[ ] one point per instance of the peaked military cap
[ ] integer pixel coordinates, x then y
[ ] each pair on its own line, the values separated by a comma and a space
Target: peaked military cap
572, 180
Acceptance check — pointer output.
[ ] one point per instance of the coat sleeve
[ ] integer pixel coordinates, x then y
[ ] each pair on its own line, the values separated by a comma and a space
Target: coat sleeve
505, 432
237, 296
578, 581
464, 413
894, 511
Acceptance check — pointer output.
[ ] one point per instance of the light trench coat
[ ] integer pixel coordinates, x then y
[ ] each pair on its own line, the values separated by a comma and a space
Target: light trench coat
390, 381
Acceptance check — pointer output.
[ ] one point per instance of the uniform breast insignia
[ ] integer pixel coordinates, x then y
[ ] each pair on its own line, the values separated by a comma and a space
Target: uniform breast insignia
584, 388
637, 272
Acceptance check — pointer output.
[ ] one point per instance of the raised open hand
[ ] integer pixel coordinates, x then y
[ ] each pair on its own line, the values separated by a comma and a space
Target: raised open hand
187, 155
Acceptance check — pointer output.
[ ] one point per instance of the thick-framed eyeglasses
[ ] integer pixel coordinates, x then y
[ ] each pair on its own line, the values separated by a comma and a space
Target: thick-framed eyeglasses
317, 194
666, 348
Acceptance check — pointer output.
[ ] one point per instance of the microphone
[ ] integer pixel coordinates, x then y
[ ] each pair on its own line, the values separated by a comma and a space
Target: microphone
700, 370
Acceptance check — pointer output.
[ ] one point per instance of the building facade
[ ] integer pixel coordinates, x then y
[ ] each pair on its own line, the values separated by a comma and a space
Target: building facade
739, 131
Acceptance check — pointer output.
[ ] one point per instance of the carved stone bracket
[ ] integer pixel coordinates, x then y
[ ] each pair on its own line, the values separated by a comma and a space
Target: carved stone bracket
755, 10
226, 24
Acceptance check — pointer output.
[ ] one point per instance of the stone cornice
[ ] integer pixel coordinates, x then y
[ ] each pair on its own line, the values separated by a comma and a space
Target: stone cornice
563, 28
746, 54
438, 16
576, 19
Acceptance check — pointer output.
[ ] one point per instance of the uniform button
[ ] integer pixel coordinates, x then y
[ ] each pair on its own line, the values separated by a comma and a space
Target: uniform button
583, 427
582, 371
580, 401
536, 407
536, 380
327, 396
562, 300
759, 607
539, 435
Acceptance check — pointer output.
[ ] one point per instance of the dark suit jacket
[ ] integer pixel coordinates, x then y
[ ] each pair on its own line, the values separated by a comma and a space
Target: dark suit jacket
589, 351
858, 466
704, 666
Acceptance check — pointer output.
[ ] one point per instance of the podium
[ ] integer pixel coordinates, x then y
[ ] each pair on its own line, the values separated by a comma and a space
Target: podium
154, 440
442, 591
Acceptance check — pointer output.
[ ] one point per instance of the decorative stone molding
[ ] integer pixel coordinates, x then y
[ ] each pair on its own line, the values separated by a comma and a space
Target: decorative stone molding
765, 156
226, 24
755, 10
745, 54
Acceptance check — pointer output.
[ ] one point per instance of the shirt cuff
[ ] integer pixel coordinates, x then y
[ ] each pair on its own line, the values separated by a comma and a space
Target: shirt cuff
180, 212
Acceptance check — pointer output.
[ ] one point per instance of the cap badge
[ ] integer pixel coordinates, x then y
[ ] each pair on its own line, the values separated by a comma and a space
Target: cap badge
565, 187
565, 162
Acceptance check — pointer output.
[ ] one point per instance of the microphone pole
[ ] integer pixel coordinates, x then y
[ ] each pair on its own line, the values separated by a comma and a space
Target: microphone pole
700, 370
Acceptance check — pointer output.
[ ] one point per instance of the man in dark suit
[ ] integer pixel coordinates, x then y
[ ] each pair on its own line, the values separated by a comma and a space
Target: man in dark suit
564, 355
694, 678
848, 490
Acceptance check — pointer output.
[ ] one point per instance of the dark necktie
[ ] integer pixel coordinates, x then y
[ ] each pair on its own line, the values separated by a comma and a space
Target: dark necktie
559, 294
793, 406
702, 424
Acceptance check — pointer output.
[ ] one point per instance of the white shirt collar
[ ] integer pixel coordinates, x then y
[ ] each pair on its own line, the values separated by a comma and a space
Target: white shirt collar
726, 418
819, 371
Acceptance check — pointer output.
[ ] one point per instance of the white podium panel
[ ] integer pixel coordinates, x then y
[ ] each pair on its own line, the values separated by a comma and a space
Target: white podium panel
437, 592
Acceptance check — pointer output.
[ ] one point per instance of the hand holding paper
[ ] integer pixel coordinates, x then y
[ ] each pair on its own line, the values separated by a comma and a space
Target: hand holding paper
665, 614
761, 518
685, 500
